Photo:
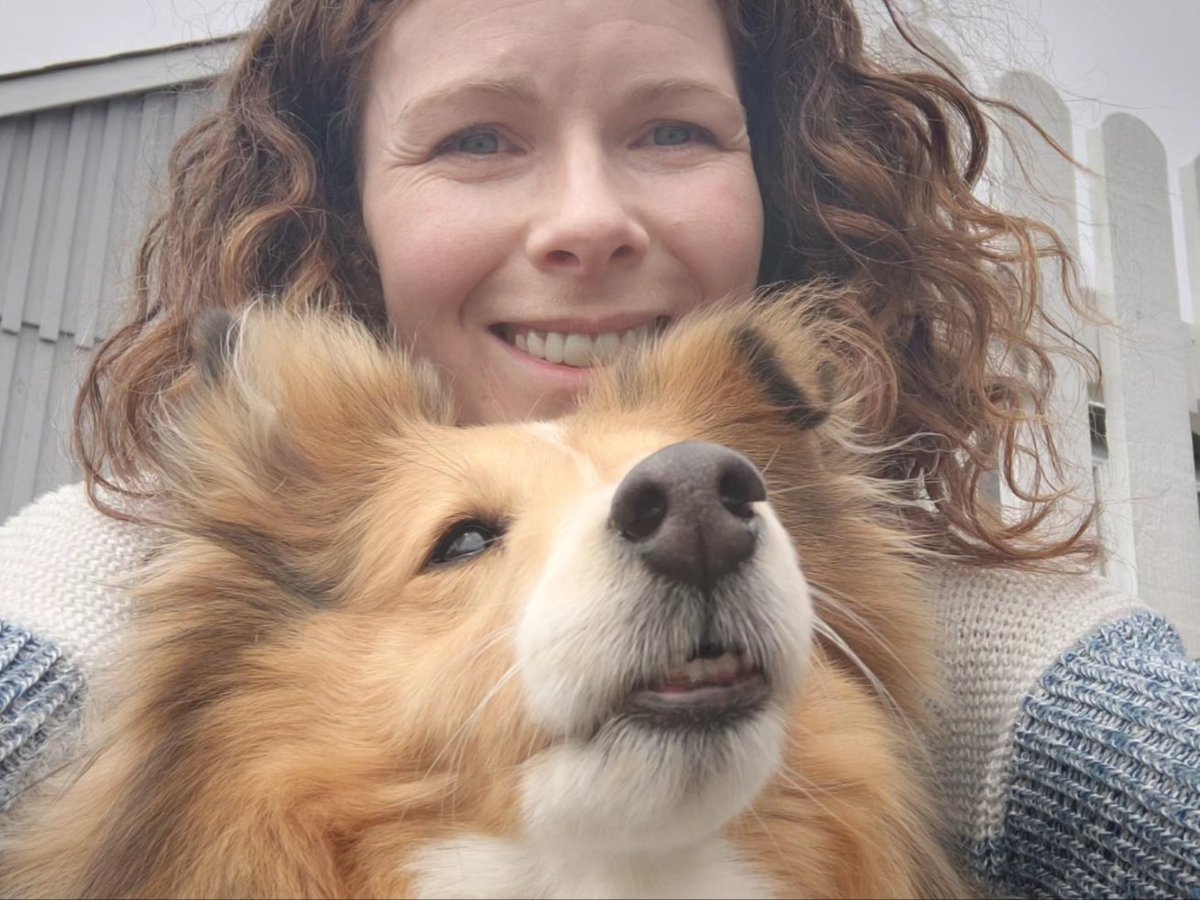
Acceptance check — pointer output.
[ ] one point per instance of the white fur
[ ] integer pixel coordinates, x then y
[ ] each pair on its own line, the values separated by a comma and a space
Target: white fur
647, 793
488, 867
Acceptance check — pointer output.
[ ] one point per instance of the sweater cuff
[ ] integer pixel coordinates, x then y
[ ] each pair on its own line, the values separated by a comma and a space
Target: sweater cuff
40, 693
1105, 792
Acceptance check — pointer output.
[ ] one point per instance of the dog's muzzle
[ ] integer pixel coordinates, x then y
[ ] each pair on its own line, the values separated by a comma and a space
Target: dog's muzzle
687, 511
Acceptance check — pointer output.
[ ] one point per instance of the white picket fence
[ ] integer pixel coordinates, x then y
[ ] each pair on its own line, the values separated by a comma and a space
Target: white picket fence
1137, 451
1131, 439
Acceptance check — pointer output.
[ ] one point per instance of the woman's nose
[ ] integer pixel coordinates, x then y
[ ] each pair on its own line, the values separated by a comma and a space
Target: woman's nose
585, 224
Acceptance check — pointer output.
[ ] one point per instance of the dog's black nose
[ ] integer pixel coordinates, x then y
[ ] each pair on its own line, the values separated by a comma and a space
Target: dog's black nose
687, 510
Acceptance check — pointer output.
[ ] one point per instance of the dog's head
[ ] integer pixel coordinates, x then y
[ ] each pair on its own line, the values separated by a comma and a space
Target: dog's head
589, 633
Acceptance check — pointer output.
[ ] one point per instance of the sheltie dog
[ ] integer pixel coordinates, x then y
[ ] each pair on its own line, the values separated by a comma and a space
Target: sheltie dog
674, 644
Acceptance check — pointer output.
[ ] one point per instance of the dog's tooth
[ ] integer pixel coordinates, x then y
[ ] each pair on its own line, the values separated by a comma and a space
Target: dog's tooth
520, 341
721, 668
725, 667
676, 675
553, 349
577, 350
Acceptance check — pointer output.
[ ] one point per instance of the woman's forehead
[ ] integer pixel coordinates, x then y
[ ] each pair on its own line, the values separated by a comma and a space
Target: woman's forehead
524, 47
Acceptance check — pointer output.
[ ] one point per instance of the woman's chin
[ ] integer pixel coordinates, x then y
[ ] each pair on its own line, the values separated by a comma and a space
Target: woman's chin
519, 387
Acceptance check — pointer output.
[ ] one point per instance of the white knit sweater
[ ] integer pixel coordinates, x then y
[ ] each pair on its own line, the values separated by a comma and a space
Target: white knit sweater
62, 564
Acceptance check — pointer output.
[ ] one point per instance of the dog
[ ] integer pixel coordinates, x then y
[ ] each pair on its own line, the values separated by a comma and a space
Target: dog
674, 644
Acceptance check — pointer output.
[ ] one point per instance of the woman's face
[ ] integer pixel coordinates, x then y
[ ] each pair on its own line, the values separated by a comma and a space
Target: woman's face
543, 177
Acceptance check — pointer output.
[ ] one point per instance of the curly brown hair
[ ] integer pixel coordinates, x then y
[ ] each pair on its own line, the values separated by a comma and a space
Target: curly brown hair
867, 176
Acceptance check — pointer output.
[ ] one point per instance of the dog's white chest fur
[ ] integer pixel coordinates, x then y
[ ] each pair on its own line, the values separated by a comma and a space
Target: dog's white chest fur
489, 867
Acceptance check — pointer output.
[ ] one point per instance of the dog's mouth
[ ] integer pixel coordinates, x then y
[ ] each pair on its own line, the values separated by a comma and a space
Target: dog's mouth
717, 686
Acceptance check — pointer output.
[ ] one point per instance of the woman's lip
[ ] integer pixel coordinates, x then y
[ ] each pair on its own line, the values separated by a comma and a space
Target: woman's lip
573, 376
584, 326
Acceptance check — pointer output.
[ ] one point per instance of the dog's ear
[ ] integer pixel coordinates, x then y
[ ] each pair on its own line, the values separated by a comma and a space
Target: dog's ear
735, 366
292, 419
213, 336
796, 403
310, 366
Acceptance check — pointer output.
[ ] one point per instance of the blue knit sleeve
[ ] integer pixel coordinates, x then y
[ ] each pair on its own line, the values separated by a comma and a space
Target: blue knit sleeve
40, 692
1104, 799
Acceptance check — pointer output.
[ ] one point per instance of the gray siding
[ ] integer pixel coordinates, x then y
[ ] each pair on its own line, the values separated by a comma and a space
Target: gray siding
77, 185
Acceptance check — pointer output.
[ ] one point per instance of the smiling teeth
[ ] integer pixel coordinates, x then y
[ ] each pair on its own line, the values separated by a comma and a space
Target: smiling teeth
578, 350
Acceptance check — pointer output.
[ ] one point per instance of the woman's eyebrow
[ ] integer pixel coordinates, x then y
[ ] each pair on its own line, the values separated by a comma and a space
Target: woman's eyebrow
519, 88
523, 90
652, 90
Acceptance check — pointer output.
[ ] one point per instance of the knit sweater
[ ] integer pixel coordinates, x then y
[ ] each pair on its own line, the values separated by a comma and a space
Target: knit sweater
1068, 748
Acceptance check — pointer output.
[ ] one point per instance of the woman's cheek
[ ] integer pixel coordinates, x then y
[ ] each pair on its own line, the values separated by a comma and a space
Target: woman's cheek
718, 231
431, 251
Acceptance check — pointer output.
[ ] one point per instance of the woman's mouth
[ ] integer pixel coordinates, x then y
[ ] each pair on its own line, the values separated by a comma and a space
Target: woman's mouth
577, 349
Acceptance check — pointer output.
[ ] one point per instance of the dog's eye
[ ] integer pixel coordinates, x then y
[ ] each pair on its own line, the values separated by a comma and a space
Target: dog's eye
464, 541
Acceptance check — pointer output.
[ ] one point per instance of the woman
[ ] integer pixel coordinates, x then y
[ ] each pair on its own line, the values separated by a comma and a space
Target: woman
502, 183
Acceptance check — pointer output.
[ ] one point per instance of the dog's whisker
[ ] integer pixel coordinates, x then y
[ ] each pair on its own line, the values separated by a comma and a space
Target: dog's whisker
826, 595
806, 788
791, 489
530, 410
770, 462
466, 659
830, 634
463, 730
454, 468
458, 741
472, 654
765, 829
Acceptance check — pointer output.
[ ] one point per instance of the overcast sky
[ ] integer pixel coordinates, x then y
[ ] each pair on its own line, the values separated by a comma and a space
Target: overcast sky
1139, 56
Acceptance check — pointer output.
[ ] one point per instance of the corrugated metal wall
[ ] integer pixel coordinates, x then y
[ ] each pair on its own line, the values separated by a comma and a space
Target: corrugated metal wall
77, 185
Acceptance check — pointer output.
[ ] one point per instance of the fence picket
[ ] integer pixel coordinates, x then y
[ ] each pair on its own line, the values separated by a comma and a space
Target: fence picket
1146, 361
1032, 179
1189, 179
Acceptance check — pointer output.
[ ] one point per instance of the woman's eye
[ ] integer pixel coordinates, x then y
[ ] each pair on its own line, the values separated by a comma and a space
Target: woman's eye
673, 134
464, 541
473, 143
480, 142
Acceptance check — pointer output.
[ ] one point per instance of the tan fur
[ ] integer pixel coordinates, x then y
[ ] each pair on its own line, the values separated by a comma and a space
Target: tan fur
304, 707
